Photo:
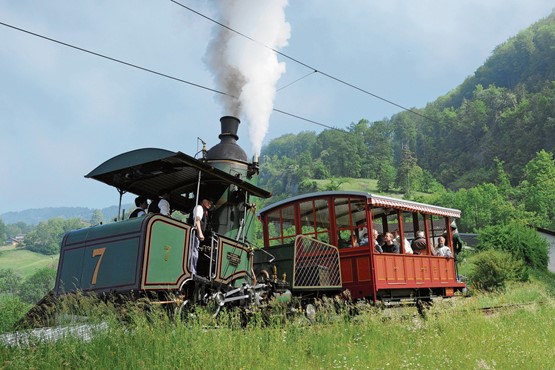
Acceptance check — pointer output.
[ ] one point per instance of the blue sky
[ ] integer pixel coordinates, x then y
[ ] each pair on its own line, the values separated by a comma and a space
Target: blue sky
63, 112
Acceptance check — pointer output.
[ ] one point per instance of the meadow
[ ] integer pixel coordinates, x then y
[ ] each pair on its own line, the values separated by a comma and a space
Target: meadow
452, 334
23, 262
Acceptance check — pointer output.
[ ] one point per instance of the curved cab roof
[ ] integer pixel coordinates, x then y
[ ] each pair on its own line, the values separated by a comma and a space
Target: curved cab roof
152, 172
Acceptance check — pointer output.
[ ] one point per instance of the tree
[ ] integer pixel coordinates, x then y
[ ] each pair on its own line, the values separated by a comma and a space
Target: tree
3, 232
379, 143
46, 237
38, 285
308, 186
481, 206
11, 311
502, 178
18, 228
523, 242
386, 177
406, 168
9, 281
537, 190
335, 184
97, 217
343, 153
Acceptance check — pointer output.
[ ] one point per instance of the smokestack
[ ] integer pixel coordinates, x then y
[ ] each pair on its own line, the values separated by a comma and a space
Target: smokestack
230, 126
227, 148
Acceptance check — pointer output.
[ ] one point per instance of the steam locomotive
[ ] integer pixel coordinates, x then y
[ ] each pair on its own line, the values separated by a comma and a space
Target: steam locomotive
313, 243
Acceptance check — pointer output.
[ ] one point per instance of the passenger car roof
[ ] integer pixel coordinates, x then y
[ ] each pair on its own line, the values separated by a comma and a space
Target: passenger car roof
372, 199
152, 172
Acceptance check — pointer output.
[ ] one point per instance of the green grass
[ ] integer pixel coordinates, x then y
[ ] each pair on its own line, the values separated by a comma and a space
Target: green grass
25, 262
453, 335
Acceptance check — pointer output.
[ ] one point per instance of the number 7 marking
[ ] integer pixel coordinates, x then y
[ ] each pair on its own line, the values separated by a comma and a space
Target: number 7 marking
95, 253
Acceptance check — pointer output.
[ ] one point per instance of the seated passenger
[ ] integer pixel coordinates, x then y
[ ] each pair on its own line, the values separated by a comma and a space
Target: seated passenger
406, 245
344, 243
364, 240
419, 244
160, 205
442, 250
142, 204
389, 246
378, 241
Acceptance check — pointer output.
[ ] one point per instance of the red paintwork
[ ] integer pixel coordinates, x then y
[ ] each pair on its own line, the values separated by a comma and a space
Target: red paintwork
394, 271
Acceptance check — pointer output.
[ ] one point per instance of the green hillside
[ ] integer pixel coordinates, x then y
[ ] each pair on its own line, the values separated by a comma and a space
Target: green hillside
24, 262
486, 148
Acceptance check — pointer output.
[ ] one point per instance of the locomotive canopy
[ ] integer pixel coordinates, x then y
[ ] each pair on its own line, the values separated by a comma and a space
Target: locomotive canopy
152, 172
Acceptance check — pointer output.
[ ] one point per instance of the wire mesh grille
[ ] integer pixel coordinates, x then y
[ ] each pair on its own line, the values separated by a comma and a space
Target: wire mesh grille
316, 264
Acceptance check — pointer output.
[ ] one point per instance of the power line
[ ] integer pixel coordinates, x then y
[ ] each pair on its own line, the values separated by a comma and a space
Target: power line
304, 64
297, 80
154, 72
114, 59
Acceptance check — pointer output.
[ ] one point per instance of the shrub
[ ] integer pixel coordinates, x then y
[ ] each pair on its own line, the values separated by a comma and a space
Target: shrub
491, 269
519, 240
37, 285
9, 281
11, 310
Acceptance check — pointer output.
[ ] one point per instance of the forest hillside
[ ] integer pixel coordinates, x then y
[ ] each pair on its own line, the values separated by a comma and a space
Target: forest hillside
496, 128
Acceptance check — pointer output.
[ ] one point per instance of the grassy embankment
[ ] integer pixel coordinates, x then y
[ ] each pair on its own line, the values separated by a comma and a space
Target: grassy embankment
454, 334
24, 262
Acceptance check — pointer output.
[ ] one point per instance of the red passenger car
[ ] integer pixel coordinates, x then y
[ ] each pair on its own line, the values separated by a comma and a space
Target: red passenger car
317, 242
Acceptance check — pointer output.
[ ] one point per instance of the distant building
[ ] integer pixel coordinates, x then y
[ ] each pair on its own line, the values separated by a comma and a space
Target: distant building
16, 240
470, 240
550, 236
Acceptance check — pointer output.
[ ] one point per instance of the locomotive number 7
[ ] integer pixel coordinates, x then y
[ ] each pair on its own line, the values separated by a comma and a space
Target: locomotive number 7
95, 253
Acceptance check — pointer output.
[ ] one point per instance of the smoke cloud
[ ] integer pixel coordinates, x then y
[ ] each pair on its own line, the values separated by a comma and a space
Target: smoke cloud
244, 69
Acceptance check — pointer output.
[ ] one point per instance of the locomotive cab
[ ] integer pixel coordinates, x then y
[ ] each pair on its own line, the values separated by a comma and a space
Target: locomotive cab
152, 255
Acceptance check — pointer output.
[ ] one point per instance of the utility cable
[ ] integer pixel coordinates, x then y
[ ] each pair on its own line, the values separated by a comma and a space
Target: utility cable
114, 59
297, 80
155, 72
306, 65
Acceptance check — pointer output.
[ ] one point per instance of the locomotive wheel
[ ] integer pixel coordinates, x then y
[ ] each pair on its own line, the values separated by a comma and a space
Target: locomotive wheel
215, 304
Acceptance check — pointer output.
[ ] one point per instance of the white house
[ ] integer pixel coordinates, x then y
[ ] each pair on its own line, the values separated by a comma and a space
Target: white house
550, 236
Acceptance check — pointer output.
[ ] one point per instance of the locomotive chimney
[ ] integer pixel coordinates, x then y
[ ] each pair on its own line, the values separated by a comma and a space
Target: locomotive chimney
227, 148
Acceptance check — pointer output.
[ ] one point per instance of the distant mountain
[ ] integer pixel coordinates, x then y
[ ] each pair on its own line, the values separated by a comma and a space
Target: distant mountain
36, 215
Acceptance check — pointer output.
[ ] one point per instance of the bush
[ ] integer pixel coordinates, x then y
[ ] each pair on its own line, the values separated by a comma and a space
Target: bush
9, 281
519, 240
11, 310
491, 269
38, 285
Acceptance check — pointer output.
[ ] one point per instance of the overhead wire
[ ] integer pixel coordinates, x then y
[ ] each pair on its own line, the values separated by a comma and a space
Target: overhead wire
154, 72
113, 59
304, 64
297, 80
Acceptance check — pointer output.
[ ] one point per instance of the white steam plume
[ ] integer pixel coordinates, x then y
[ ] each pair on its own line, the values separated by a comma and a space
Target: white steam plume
245, 69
